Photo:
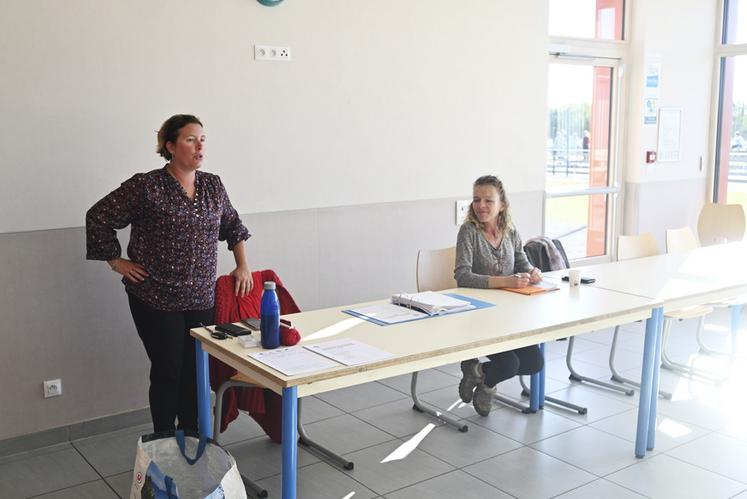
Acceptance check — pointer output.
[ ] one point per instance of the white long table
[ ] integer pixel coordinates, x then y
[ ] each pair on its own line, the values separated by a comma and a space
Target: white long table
677, 280
515, 321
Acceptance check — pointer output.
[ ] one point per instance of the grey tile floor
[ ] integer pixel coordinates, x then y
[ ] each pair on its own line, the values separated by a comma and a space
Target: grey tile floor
398, 453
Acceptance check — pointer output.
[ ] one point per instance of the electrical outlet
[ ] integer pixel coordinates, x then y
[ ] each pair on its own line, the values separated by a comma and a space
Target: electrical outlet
272, 53
461, 210
52, 388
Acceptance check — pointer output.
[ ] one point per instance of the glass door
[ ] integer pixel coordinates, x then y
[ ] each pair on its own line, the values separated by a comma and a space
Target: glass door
580, 194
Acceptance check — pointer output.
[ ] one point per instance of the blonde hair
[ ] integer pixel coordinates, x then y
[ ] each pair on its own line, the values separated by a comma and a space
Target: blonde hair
504, 217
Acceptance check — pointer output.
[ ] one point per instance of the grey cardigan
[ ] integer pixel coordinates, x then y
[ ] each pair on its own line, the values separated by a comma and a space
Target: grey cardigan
477, 259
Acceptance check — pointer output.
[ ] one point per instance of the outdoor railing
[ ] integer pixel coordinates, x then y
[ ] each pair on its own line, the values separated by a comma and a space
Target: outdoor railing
567, 161
738, 166
576, 162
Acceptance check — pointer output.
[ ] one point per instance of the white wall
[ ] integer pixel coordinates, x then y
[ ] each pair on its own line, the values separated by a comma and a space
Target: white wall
383, 101
681, 34
394, 107
342, 163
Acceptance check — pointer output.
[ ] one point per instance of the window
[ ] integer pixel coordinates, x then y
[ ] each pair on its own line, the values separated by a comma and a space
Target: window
599, 19
578, 191
584, 81
735, 22
730, 173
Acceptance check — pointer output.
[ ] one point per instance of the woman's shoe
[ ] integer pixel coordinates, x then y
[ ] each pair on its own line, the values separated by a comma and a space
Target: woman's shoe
471, 377
483, 399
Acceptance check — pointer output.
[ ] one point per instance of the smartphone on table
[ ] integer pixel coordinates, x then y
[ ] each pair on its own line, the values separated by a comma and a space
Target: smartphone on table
232, 329
584, 280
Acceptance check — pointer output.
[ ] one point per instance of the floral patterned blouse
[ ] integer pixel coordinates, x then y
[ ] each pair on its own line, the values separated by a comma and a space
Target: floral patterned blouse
175, 238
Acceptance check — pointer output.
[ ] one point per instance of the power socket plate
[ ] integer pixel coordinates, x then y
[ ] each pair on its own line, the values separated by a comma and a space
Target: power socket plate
272, 53
52, 388
460, 210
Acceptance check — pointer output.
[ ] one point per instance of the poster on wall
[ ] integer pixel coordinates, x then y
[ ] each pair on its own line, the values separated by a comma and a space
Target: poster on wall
668, 148
652, 85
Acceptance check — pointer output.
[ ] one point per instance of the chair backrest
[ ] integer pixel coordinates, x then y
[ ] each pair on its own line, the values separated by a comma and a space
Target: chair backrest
543, 257
720, 223
629, 247
435, 269
681, 239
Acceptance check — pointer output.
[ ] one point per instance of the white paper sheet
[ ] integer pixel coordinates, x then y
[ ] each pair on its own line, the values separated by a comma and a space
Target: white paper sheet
293, 360
350, 352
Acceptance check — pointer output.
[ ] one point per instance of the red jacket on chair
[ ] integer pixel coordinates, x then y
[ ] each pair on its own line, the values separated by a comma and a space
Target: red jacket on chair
263, 405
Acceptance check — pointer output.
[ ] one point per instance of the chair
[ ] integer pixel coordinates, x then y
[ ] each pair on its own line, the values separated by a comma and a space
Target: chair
575, 375
229, 308
680, 240
719, 223
684, 240
630, 247
538, 253
434, 271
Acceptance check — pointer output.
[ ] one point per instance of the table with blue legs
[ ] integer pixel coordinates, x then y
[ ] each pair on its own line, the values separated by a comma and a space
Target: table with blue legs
647, 405
679, 280
514, 322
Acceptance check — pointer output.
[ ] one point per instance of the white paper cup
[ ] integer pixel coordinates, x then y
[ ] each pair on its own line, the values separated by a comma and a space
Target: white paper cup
574, 277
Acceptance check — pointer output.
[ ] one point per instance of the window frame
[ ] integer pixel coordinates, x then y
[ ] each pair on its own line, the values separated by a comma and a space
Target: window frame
721, 52
612, 189
611, 53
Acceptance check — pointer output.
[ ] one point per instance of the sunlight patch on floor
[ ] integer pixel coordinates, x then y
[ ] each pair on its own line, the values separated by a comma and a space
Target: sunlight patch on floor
406, 448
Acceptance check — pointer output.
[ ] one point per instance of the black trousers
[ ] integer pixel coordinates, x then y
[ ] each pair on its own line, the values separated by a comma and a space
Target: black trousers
171, 350
505, 365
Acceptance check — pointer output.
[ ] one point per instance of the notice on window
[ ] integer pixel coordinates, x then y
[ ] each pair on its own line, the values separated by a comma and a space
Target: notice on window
669, 134
651, 88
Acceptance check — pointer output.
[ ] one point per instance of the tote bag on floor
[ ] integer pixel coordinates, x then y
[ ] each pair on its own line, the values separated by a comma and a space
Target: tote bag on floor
164, 470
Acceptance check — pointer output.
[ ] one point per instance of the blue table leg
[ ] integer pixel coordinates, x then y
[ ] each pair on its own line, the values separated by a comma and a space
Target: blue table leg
542, 378
736, 319
647, 376
537, 386
290, 442
655, 381
204, 416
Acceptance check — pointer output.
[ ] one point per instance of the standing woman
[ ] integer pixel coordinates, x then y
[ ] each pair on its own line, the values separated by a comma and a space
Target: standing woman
489, 254
178, 214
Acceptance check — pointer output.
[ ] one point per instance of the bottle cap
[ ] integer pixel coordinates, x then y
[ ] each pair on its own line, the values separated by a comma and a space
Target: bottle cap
269, 285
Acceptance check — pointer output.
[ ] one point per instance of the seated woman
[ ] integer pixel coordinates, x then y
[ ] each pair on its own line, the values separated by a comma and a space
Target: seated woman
489, 254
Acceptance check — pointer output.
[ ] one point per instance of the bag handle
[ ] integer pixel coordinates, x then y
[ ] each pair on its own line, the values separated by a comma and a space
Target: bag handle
179, 434
170, 487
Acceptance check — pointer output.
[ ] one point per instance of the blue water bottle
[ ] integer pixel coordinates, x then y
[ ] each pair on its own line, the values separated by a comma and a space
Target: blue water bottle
269, 317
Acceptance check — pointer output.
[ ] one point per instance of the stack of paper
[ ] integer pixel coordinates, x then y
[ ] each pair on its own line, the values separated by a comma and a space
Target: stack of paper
431, 303
298, 359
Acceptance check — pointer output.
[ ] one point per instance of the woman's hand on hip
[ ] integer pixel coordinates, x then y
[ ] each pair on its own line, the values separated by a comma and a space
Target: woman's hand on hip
242, 277
133, 272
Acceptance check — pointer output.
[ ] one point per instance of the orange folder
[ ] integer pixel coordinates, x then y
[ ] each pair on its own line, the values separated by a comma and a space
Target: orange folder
533, 289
